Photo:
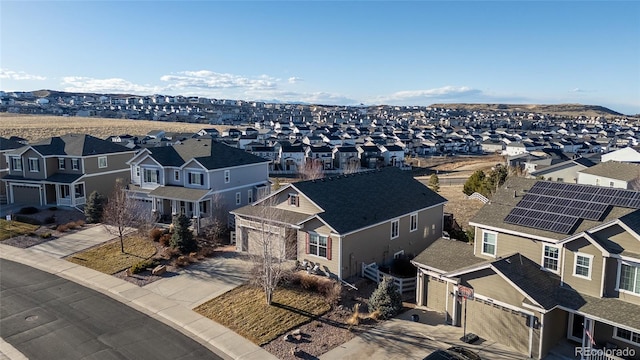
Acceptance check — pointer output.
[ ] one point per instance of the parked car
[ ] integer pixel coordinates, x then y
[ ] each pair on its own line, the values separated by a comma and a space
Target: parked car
453, 353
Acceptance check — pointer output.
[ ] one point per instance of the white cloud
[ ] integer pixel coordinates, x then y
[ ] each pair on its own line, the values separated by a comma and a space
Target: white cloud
320, 97
205, 79
294, 80
112, 85
19, 75
446, 92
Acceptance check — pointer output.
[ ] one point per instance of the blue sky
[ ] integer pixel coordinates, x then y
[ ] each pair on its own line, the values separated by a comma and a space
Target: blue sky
371, 52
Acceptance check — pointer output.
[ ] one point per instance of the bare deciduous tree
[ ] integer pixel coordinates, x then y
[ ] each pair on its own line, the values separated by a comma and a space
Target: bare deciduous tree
273, 245
122, 213
218, 222
352, 167
312, 170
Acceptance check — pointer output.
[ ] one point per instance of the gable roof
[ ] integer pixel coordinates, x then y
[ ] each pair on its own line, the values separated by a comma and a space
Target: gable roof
8, 144
76, 145
351, 202
211, 154
614, 170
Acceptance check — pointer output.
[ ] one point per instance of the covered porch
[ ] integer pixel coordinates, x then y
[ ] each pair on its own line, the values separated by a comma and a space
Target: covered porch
64, 190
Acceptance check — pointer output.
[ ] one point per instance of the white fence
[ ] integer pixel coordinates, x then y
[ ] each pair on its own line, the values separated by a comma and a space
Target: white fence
404, 284
478, 196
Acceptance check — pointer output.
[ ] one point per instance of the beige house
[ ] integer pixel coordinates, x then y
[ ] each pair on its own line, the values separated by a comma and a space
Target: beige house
551, 263
341, 222
64, 170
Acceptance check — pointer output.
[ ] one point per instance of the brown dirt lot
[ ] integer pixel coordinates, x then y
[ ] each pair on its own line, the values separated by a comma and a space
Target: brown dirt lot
36, 127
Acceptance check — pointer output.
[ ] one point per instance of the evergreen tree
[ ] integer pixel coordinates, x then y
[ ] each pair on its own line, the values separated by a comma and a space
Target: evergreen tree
182, 237
434, 183
386, 299
475, 183
94, 207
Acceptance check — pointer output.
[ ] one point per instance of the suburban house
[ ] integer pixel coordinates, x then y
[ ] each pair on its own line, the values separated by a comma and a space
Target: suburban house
611, 174
5, 145
339, 223
64, 170
566, 171
626, 154
196, 176
551, 263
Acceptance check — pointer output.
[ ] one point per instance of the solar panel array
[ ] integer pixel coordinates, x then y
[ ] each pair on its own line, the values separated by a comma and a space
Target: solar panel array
558, 207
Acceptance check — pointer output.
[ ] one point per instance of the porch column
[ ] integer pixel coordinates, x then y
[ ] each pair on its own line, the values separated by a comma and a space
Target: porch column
587, 336
154, 204
174, 207
196, 209
420, 288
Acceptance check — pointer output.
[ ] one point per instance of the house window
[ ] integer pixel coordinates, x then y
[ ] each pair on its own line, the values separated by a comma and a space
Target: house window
629, 278
318, 245
137, 171
61, 164
102, 162
395, 229
626, 335
79, 190
196, 178
489, 240
151, 176
611, 183
294, 200
75, 164
203, 207
176, 175
250, 196
398, 255
550, 256
582, 265
34, 165
16, 163
238, 198
227, 176
413, 222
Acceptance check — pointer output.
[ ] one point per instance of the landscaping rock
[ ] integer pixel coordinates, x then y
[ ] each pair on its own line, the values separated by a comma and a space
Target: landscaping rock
159, 270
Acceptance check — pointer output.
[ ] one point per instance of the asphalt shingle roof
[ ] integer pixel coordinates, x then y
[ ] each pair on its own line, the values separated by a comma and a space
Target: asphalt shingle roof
77, 145
448, 255
8, 144
179, 193
354, 201
211, 154
614, 170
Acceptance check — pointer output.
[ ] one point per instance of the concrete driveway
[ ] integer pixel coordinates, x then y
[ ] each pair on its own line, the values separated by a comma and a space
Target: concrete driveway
204, 280
74, 242
401, 338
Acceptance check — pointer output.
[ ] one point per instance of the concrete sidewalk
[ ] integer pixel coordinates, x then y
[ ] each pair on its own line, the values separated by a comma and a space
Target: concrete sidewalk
216, 337
74, 242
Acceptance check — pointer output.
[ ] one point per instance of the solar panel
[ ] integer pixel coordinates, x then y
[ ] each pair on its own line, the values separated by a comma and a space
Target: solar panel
558, 207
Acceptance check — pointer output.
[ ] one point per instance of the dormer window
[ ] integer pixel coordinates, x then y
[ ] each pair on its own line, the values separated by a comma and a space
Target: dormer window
629, 278
75, 164
61, 163
16, 163
34, 165
102, 162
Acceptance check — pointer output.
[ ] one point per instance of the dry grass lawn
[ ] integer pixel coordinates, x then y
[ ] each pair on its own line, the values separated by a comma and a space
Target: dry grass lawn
36, 127
108, 259
244, 311
461, 208
9, 229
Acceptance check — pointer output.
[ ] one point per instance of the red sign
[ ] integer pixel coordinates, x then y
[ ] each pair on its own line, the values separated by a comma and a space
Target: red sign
465, 292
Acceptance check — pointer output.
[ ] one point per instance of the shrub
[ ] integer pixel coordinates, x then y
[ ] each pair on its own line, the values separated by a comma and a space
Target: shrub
28, 210
62, 228
386, 299
80, 223
94, 207
309, 282
144, 265
165, 240
49, 220
27, 220
53, 208
402, 267
45, 235
155, 234
332, 291
182, 237
182, 261
71, 225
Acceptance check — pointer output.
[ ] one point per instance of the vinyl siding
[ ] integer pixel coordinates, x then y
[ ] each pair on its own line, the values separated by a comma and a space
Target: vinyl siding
582, 285
487, 283
555, 329
507, 244
105, 183
374, 244
40, 175
114, 162
621, 237
305, 206
239, 176
331, 266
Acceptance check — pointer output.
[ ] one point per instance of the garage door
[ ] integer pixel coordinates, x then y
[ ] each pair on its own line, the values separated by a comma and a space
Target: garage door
26, 195
436, 293
498, 323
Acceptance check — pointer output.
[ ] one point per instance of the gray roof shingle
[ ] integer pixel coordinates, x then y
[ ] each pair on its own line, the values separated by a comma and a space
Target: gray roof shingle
77, 145
614, 170
448, 255
354, 201
211, 154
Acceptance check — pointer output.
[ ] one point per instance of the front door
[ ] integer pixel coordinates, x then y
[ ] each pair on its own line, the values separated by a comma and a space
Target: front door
576, 327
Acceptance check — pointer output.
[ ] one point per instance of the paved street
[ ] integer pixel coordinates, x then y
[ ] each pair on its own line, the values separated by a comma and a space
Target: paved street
46, 317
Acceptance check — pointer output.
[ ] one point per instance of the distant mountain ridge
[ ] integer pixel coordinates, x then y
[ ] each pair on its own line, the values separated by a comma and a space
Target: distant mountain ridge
558, 109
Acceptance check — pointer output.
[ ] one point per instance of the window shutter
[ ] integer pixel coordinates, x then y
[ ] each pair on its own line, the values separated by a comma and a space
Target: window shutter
298, 200
329, 248
201, 179
158, 176
307, 240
